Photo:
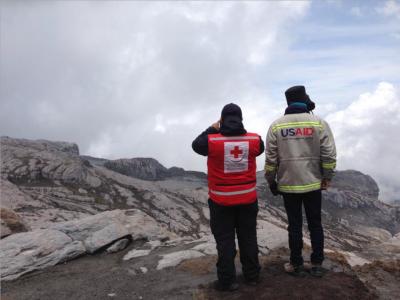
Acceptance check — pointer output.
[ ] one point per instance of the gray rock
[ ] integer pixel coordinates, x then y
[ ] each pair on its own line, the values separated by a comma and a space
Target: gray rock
175, 258
136, 253
118, 246
356, 182
102, 229
44, 182
105, 236
40, 206
4, 229
21, 253
82, 191
94, 161
42, 145
143, 168
147, 169
27, 160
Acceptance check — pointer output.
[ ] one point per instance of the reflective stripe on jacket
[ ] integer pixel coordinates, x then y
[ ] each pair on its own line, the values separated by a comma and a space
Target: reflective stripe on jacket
300, 151
232, 168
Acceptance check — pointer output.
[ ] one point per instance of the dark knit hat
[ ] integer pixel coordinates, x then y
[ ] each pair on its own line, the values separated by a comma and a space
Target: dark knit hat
298, 93
231, 109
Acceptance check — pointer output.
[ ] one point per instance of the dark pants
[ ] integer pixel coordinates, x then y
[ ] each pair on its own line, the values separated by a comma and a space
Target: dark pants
312, 207
224, 220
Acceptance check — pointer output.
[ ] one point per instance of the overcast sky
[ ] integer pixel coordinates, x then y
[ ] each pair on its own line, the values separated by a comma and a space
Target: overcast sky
143, 79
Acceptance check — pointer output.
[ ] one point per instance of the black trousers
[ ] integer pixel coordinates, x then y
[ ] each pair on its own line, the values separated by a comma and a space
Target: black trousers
224, 221
312, 207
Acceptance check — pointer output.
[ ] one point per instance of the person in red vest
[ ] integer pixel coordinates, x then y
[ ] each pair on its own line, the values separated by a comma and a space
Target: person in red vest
232, 152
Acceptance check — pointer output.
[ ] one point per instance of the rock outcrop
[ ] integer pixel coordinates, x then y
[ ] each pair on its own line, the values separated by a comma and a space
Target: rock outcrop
118, 245
27, 161
87, 204
142, 168
44, 182
21, 253
356, 182
102, 229
175, 258
146, 169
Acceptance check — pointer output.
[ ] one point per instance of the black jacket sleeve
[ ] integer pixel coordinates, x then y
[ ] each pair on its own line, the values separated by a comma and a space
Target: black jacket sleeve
261, 147
200, 144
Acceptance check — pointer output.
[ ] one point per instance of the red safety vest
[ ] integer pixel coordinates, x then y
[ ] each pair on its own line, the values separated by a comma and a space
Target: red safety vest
232, 168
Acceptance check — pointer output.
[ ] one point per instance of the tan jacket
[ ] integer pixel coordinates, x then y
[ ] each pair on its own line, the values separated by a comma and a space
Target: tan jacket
300, 152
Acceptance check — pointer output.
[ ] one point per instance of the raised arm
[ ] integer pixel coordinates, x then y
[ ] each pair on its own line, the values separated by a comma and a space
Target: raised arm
200, 144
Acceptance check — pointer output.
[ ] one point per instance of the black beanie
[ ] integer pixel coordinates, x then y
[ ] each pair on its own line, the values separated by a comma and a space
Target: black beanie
231, 109
298, 93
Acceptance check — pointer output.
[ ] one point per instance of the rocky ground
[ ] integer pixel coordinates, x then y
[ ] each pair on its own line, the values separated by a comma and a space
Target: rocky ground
103, 276
67, 217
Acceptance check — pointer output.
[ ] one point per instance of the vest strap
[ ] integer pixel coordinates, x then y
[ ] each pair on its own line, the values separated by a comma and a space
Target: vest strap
227, 138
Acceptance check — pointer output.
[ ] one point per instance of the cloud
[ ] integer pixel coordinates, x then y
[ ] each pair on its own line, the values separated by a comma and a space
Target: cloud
367, 137
135, 78
356, 11
128, 78
391, 8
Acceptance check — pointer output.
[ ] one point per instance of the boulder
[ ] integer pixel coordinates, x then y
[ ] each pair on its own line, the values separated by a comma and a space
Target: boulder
136, 253
270, 236
175, 258
118, 246
104, 228
22, 253
207, 248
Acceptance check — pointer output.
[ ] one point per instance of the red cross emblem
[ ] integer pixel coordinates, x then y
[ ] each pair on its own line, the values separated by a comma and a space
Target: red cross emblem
236, 152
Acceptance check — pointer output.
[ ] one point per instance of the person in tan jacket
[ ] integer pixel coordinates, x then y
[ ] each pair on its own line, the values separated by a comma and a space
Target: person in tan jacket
299, 163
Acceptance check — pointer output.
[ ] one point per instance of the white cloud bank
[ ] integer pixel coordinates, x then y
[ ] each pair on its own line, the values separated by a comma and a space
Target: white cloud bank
390, 8
367, 135
131, 79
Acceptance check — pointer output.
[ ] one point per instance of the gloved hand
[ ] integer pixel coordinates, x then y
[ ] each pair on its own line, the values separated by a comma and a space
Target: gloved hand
273, 186
325, 184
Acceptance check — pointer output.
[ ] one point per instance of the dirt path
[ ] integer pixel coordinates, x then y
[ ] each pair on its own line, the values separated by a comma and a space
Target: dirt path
107, 276
276, 284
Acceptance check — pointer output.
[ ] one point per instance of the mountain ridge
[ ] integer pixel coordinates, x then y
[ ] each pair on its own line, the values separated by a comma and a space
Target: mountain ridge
50, 184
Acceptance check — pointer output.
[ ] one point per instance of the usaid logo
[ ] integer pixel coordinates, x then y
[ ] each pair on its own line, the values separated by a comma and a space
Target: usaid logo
297, 132
236, 156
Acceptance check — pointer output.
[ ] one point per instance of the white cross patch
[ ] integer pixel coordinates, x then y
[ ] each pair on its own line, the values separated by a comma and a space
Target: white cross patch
236, 158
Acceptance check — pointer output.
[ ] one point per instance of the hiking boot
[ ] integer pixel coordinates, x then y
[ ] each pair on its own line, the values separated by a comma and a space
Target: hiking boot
225, 287
307, 266
297, 271
317, 270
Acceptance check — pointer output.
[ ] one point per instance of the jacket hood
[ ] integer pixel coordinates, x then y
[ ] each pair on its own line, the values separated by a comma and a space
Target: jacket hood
232, 125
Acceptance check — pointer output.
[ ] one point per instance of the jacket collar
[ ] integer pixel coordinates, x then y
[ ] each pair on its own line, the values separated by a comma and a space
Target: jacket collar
296, 108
